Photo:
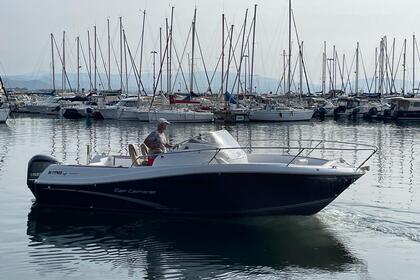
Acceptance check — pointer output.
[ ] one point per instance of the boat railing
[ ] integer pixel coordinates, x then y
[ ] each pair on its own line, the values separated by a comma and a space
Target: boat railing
319, 146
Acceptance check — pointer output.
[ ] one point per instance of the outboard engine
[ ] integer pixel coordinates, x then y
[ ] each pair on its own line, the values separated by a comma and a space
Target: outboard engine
37, 164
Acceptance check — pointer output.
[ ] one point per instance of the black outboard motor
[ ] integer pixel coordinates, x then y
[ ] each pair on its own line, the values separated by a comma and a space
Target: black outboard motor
37, 164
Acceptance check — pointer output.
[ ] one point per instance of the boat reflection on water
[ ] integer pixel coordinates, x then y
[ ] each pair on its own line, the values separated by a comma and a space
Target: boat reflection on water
158, 247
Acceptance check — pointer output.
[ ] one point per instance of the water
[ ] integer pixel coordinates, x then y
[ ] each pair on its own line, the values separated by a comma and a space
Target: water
372, 231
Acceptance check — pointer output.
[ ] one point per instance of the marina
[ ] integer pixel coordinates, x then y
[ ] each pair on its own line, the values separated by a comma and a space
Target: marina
367, 231
210, 140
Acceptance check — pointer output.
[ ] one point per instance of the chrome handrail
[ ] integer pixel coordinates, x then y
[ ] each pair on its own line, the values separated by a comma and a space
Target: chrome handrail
301, 149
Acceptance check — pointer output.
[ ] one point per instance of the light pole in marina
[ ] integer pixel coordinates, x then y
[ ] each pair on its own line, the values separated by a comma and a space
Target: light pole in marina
154, 68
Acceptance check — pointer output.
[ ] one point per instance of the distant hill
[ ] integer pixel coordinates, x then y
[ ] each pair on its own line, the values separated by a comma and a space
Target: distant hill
43, 81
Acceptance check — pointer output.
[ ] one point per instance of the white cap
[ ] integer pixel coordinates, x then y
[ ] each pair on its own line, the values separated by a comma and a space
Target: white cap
162, 120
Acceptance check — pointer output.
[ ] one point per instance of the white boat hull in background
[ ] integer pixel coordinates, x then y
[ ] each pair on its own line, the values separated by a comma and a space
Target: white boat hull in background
181, 116
43, 109
281, 115
124, 114
4, 114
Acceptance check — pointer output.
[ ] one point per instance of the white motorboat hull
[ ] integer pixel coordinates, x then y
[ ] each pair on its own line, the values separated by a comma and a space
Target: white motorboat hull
43, 109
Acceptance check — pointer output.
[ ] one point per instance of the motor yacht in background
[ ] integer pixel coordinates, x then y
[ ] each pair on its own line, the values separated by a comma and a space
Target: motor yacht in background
403, 108
49, 106
128, 109
358, 108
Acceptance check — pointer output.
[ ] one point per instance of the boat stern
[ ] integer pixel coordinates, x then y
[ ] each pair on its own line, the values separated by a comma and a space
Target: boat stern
36, 165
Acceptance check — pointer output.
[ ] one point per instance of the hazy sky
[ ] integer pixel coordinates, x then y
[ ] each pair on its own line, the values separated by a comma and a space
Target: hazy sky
26, 25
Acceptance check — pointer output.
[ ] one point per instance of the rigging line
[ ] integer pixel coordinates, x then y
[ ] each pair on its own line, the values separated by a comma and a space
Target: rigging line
40, 60
180, 62
160, 73
396, 69
204, 64
387, 65
280, 83
61, 60
348, 83
364, 70
374, 75
133, 65
418, 55
116, 59
104, 64
340, 69
300, 53
294, 72
86, 64
233, 49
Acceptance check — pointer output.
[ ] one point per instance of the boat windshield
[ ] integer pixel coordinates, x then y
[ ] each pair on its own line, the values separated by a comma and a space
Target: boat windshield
218, 139
231, 151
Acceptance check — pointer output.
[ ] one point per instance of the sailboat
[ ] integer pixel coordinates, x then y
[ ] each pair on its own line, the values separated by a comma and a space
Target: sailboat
4, 104
277, 112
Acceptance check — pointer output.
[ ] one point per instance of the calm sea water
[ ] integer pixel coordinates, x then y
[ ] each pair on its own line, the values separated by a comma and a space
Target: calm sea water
372, 231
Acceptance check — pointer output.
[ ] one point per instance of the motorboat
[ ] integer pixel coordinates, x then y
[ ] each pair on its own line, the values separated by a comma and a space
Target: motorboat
50, 106
357, 108
209, 174
126, 109
273, 113
403, 108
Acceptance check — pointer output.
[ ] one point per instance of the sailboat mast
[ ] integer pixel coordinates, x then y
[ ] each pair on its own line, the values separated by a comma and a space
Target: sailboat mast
242, 51
253, 49
168, 41
90, 62
414, 62
142, 43
95, 68
170, 48
223, 53
376, 70
229, 57
356, 82
78, 64
324, 67
160, 56
404, 66
121, 55
192, 53
109, 57
290, 49
64, 63
125, 63
52, 61
301, 69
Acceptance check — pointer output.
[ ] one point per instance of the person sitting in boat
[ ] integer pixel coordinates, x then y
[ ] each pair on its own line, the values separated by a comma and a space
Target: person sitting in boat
156, 141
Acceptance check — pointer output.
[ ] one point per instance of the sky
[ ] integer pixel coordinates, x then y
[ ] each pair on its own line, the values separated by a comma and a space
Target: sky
25, 27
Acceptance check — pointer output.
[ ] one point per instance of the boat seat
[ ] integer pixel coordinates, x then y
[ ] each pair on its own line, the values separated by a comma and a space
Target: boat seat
132, 151
144, 151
